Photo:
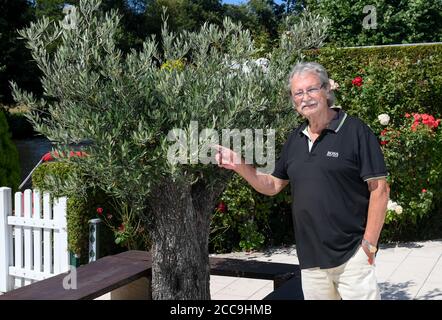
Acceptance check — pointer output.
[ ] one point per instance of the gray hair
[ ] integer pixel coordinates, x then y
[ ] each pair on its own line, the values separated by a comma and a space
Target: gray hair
313, 67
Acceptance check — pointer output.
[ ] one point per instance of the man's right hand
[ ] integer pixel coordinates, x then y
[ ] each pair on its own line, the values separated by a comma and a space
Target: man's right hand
227, 158
263, 183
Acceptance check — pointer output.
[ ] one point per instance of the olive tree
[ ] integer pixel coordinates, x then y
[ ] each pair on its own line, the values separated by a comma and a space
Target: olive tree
126, 110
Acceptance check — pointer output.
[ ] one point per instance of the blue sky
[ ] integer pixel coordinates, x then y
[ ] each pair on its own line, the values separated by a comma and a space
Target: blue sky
234, 1
242, 1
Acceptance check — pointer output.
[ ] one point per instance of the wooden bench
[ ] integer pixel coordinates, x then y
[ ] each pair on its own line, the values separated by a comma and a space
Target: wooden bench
110, 273
289, 290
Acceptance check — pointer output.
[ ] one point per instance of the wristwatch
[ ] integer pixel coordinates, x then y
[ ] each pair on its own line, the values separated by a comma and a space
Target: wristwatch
370, 247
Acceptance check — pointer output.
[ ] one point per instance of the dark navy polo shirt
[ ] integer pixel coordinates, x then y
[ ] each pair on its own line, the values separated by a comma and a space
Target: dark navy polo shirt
329, 188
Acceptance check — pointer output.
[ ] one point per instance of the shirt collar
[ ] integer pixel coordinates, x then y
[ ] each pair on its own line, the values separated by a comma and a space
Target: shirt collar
334, 125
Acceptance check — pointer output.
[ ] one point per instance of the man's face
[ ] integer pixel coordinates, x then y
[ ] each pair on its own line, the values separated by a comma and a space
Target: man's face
308, 96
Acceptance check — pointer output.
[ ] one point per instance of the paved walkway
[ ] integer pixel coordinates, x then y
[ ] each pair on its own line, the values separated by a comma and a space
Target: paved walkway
405, 271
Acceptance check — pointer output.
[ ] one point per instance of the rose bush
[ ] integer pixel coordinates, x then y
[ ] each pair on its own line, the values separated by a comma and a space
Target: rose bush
247, 220
385, 80
411, 145
127, 229
412, 152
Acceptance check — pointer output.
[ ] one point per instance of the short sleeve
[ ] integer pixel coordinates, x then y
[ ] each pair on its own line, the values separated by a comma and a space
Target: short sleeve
280, 171
371, 160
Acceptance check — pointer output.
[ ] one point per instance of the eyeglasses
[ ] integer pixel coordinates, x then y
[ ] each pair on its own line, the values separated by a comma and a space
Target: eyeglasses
311, 92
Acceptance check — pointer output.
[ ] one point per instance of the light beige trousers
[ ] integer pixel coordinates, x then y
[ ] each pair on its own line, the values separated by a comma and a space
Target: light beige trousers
353, 280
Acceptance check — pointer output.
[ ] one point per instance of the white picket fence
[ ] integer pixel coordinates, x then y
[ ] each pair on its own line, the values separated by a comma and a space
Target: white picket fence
33, 238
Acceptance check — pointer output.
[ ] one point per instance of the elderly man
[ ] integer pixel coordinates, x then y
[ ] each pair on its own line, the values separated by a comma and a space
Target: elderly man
337, 174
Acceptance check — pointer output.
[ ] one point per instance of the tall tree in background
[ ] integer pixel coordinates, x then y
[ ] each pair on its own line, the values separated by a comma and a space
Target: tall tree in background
9, 161
15, 60
265, 18
132, 30
183, 14
127, 106
53, 9
261, 17
293, 6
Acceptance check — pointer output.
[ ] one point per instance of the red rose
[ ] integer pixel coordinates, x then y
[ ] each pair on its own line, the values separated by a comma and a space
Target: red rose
407, 115
357, 81
416, 117
425, 119
383, 133
121, 228
100, 211
221, 207
424, 190
429, 121
414, 126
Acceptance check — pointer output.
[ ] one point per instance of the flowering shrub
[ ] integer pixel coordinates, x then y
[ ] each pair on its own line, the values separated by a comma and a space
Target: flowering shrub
425, 119
333, 84
384, 119
81, 209
385, 80
357, 81
235, 224
247, 220
412, 152
171, 65
221, 208
127, 228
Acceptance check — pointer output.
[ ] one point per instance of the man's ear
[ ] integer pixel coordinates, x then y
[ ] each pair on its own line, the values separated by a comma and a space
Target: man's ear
330, 96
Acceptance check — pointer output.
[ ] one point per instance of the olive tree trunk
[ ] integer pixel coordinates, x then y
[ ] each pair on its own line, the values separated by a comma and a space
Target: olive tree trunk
180, 235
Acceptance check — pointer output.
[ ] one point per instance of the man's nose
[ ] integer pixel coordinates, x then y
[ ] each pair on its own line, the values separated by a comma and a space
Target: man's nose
306, 97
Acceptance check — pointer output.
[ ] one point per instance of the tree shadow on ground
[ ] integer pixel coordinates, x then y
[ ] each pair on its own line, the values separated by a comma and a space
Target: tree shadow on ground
290, 250
396, 291
435, 294
409, 245
265, 253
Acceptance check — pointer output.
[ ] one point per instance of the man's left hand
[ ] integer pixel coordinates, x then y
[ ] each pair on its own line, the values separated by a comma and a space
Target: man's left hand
370, 256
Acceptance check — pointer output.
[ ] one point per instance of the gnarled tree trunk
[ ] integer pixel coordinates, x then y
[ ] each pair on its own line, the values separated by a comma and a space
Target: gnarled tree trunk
180, 235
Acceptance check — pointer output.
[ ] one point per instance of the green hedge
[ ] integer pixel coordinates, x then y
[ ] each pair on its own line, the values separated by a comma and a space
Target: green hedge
9, 160
79, 211
396, 80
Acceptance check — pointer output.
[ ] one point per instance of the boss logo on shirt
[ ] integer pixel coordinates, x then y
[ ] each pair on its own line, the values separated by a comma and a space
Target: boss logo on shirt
332, 154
